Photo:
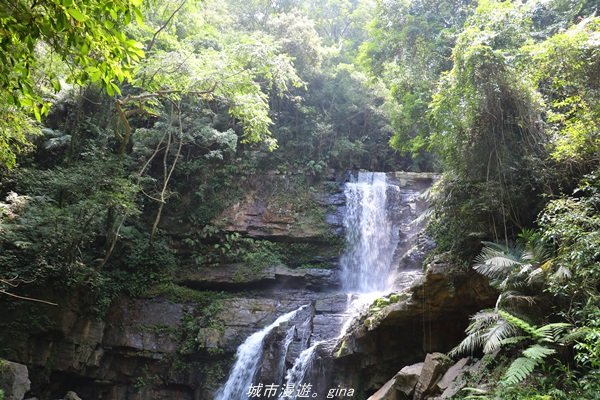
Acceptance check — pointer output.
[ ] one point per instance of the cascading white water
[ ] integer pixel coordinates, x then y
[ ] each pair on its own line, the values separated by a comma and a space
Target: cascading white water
368, 270
247, 360
289, 337
295, 375
367, 263
371, 237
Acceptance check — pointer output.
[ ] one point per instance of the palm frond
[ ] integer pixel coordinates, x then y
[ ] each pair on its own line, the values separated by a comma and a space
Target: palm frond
519, 370
469, 344
495, 336
536, 276
562, 274
477, 331
537, 252
482, 320
516, 297
496, 264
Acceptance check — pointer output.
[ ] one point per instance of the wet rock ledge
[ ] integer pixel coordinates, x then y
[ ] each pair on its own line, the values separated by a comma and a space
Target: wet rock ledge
428, 317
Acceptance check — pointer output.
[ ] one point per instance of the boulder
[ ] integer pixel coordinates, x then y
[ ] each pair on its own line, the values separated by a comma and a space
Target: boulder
387, 391
401, 386
407, 378
455, 376
449, 385
14, 380
72, 396
434, 366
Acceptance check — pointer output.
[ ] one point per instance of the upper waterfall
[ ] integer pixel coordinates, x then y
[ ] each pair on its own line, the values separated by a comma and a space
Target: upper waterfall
371, 237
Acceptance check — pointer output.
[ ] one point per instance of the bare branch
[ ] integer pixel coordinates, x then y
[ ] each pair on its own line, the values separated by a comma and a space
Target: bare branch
163, 26
27, 298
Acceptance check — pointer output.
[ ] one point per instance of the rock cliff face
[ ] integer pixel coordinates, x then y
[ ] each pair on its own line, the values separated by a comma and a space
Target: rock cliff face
430, 317
180, 342
401, 329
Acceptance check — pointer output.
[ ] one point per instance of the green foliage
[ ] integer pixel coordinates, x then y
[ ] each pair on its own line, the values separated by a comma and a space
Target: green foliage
146, 264
497, 329
214, 249
564, 64
484, 128
409, 46
57, 225
555, 382
208, 306
502, 95
239, 71
520, 369
571, 224
567, 223
88, 36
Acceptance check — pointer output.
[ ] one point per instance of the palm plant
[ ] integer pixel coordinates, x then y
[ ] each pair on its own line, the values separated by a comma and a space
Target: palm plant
494, 329
518, 273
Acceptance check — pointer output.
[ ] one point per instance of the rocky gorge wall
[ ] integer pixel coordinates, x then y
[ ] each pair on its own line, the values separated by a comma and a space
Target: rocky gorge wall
179, 342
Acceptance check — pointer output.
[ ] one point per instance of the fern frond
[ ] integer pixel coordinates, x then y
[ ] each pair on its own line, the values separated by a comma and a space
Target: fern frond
513, 340
519, 370
578, 333
551, 332
538, 352
518, 322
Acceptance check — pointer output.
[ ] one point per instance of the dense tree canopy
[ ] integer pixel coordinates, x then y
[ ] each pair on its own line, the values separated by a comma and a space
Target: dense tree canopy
37, 36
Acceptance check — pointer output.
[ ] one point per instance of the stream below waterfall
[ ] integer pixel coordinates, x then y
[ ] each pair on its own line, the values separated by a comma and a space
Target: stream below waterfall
381, 221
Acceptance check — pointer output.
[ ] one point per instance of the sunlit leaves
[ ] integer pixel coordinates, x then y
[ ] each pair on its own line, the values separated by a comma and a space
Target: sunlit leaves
567, 66
238, 73
87, 36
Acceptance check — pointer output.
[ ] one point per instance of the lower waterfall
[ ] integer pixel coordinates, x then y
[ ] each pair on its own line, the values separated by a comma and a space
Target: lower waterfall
247, 360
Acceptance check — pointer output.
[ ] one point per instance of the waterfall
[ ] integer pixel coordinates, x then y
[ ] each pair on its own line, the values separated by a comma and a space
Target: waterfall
371, 237
295, 375
381, 230
289, 337
367, 263
247, 360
